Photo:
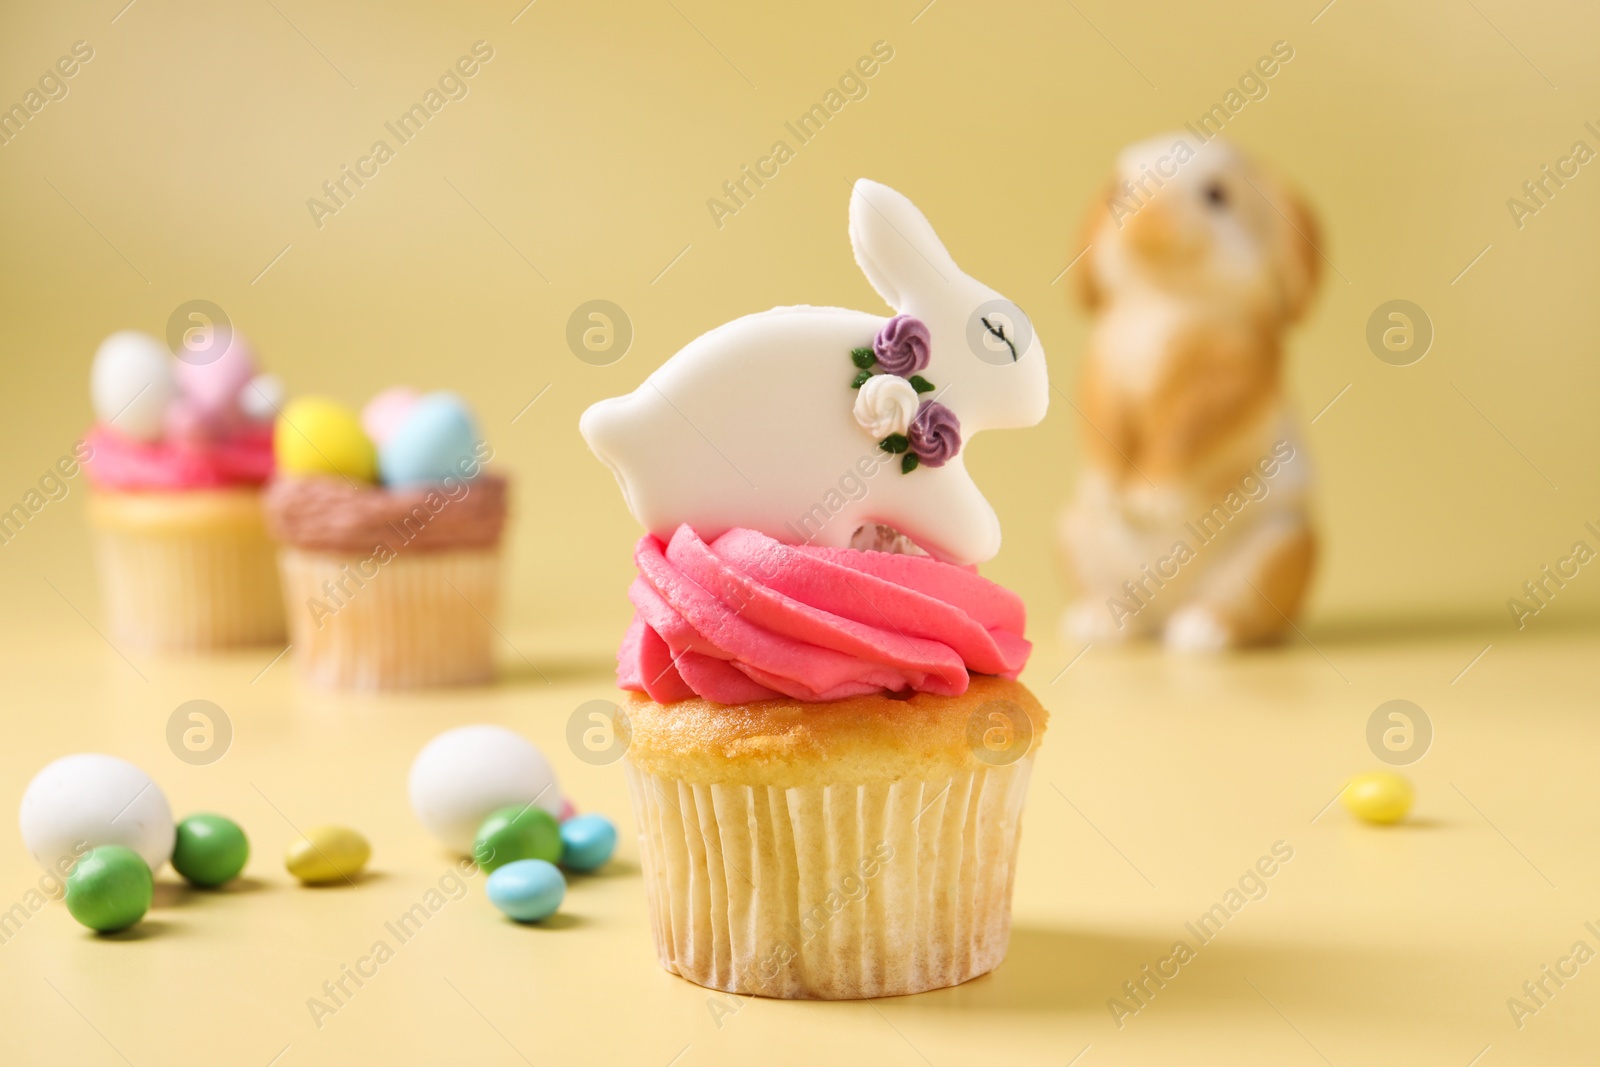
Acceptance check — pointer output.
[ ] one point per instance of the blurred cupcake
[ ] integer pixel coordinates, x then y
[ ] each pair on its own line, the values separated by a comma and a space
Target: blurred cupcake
180, 450
390, 533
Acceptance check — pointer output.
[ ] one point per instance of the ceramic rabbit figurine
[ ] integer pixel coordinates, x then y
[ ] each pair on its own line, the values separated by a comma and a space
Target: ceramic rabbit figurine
1191, 519
862, 418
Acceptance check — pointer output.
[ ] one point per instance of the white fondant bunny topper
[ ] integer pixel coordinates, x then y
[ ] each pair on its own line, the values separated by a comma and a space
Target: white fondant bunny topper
751, 425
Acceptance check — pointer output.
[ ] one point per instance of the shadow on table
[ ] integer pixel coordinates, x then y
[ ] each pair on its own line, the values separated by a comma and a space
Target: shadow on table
143, 930
1076, 971
174, 894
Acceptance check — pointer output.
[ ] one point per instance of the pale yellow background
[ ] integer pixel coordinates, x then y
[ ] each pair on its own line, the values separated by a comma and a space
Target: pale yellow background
178, 167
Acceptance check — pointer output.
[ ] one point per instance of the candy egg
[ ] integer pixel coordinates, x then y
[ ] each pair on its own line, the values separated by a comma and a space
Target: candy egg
327, 854
464, 775
1378, 797
527, 890
521, 832
315, 435
88, 800
385, 412
110, 889
587, 842
132, 383
435, 441
209, 850
262, 397
213, 386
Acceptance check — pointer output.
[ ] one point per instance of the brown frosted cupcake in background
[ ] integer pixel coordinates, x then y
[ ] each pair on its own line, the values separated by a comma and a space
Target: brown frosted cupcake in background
389, 534
177, 458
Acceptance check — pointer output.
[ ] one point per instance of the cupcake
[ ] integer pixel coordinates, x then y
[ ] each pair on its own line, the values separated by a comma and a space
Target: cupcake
829, 751
389, 531
178, 455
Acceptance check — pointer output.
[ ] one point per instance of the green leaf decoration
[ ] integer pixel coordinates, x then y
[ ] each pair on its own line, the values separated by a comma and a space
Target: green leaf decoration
908, 463
863, 357
860, 379
895, 443
921, 384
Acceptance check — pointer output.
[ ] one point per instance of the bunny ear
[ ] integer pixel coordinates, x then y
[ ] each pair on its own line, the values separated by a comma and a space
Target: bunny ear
894, 245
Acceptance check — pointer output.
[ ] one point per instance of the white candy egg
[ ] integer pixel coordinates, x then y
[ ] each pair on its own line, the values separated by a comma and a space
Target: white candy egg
131, 384
463, 775
88, 800
262, 397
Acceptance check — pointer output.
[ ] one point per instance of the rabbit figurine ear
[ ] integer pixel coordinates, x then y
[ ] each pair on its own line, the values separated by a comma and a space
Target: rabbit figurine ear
895, 246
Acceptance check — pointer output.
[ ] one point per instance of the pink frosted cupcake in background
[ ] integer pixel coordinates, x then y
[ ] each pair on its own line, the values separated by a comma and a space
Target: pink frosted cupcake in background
180, 451
390, 533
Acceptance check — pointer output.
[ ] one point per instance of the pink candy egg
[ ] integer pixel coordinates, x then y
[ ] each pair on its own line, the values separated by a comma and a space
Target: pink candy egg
212, 389
568, 810
385, 412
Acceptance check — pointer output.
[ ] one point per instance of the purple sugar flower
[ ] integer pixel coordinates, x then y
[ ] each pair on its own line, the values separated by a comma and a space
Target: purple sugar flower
935, 434
902, 346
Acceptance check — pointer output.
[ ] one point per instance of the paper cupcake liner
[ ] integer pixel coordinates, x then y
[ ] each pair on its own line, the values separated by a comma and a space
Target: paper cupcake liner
831, 892
419, 620
189, 587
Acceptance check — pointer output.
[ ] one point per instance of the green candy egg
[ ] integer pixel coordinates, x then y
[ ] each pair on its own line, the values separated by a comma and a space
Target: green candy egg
109, 889
210, 850
517, 833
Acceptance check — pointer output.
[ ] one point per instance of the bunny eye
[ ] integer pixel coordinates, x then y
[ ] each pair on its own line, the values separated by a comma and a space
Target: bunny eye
998, 329
1216, 195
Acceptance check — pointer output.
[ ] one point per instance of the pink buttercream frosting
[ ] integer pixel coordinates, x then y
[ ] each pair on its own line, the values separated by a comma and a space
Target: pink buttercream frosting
747, 618
242, 458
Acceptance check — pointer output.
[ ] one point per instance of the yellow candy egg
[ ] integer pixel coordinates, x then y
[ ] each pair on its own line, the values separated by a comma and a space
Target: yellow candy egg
1378, 797
327, 854
315, 435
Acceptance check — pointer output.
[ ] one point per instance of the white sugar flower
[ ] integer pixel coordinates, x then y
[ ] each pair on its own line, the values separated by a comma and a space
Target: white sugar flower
885, 404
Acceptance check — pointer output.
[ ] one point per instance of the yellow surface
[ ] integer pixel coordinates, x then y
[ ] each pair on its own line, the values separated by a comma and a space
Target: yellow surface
1159, 784
179, 165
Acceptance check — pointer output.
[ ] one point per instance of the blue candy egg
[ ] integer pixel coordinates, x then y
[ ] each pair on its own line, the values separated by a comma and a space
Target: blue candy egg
587, 841
433, 442
527, 890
